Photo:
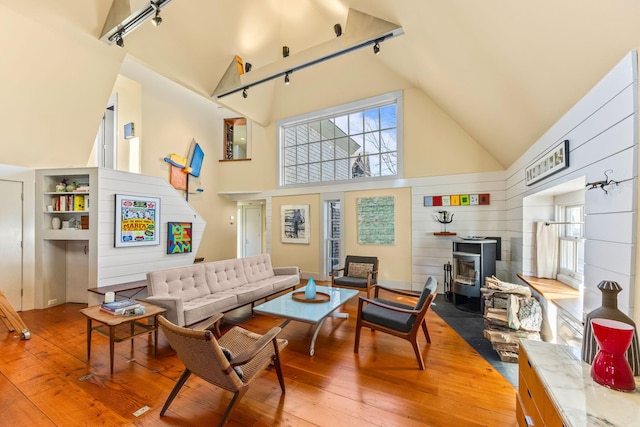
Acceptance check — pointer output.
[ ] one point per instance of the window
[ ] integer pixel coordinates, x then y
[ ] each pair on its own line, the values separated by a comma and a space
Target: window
355, 141
571, 265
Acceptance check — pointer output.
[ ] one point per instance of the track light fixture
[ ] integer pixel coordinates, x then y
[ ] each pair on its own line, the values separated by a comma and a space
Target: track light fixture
364, 31
121, 20
156, 20
244, 93
119, 40
247, 67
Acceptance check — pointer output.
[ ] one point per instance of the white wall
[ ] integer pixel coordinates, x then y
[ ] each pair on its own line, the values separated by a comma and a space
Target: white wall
601, 129
429, 252
121, 265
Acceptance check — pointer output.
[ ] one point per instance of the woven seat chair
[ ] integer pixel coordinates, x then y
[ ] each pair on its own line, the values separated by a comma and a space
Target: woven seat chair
203, 353
397, 318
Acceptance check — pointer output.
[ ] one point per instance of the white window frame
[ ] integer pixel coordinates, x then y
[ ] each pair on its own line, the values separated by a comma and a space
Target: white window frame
570, 276
362, 105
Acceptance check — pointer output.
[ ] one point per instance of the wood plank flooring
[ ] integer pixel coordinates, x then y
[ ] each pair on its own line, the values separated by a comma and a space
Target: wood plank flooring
47, 380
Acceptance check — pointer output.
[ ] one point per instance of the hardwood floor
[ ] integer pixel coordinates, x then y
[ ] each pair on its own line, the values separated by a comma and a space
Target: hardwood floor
47, 381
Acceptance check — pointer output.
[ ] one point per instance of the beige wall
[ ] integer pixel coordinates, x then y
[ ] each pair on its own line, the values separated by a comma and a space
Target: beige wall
395, 260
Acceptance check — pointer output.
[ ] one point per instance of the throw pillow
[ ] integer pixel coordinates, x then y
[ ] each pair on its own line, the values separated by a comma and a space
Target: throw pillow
229, 356
357, 269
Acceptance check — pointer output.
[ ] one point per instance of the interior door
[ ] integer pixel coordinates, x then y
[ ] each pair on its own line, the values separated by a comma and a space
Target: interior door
11, 242
252, 225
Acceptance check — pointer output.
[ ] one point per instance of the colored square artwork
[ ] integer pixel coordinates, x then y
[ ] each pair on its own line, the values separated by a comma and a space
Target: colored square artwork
178, 237
446, 200
484, 199
428, 200
464, 199
455, 200
437, 200
473, 199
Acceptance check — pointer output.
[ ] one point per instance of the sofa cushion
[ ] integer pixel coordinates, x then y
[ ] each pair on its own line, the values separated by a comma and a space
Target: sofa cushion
198, 309
258, 267
251, 291
186, 282
224, 275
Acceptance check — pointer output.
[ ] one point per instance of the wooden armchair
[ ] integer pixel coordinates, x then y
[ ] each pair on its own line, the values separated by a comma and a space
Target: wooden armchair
359, 272
396, 318
231, 361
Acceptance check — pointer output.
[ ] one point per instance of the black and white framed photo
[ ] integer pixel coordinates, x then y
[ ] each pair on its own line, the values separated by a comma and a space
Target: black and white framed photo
551, 162
294, 224
137, 221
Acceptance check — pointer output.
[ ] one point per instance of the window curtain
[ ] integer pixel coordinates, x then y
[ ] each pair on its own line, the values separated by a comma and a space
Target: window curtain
546, 250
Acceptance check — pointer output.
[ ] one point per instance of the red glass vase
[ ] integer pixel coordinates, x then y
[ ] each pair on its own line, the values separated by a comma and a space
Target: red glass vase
610, 366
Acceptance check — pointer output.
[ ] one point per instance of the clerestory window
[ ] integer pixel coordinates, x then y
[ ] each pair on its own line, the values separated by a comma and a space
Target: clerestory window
361, 140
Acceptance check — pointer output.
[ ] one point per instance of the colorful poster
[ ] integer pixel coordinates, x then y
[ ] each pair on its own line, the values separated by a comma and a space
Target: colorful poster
137, 220
178, 237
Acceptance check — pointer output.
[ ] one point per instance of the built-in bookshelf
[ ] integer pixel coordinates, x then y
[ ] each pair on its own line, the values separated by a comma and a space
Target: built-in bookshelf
66, 201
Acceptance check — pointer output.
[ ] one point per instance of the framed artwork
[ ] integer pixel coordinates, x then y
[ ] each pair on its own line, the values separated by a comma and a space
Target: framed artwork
178, 237
551, 162
376, 220
294, 224
136, 221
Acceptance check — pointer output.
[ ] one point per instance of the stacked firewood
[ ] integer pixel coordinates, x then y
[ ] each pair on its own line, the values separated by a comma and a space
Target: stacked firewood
510, 313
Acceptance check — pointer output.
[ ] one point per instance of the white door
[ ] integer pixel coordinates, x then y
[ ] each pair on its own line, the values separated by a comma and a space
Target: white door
11, 242
252, 229
77, 271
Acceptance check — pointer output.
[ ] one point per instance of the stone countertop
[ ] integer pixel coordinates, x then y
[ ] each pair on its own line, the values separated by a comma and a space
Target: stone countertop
579, 400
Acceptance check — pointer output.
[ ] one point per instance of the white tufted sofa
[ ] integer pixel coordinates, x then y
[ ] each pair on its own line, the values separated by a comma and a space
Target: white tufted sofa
196, 292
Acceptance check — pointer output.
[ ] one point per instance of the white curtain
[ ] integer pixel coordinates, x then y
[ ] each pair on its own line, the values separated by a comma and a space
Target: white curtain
546, 250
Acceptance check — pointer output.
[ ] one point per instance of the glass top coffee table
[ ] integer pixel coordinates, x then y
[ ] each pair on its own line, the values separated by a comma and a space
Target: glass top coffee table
314, 313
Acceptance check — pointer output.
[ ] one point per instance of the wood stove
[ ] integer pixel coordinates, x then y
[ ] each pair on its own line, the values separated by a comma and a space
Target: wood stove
473, 260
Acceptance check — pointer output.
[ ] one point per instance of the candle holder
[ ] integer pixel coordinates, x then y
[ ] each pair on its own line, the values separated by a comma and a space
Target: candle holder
610, 366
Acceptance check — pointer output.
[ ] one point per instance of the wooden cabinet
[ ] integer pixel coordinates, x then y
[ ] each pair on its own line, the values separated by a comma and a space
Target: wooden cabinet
533, 406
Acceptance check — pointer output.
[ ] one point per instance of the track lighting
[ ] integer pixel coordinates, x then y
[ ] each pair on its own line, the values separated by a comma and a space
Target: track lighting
119, 40
363, 31
156, 20
244, 93
247, 67
121, 20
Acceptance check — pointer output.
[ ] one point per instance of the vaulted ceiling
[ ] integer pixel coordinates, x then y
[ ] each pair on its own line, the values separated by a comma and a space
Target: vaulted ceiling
504, 70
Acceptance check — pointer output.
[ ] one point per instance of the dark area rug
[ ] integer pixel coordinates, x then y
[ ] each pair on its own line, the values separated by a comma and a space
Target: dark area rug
469, 326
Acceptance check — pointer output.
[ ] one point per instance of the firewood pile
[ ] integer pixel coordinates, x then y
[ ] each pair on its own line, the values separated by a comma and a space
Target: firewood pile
510, 313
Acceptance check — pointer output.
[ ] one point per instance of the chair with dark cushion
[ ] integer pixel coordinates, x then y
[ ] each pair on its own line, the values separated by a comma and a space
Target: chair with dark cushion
397, 316
359, 272
231, 361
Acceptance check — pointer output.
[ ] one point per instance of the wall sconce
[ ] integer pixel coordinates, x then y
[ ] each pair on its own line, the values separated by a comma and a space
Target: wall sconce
129, 131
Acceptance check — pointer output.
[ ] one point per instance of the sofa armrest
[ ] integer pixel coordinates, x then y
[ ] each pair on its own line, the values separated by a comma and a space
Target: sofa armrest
286, 271
173, 305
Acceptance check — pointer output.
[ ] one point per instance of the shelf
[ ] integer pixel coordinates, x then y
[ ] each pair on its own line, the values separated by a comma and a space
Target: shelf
444, 233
